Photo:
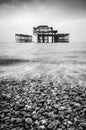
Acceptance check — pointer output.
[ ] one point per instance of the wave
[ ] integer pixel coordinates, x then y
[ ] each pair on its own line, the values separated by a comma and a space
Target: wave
11, 61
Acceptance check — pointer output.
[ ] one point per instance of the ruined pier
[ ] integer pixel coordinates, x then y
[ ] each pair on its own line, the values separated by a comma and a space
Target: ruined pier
46, 34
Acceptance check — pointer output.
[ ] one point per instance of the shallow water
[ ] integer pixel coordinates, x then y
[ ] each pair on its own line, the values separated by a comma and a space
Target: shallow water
27, 57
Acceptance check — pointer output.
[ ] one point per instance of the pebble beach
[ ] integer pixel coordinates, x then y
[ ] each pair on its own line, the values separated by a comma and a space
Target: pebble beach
49, 96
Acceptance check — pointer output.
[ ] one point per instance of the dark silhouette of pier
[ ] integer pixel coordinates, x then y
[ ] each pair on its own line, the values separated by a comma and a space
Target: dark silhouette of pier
44, 34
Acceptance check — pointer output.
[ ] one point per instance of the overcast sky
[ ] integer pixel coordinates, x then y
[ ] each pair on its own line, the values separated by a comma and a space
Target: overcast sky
19, 16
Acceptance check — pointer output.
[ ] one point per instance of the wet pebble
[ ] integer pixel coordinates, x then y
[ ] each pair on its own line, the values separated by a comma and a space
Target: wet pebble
28, 121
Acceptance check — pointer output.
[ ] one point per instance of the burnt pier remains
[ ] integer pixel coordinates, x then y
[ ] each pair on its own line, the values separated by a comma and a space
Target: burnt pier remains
46, 34
20, 38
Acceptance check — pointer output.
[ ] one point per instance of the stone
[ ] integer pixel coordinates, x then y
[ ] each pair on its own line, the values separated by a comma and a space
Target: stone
77, 99
13, 129
42, 127
69, 122
37, 108
53, 124
36, 122
42, 101
6, 118
18, 120
2, 115
28, 107
77, 104
17, 96
43, 121
17, 113
20, 106
69, 109
61, 117
34, 116
54, 94
83, 125
21, 128
57, 99
28, 121
48, 101
50, 114
66, 97
62, 108
27, 126
57, 122
56, 106
13, 119
50, 126
23, 113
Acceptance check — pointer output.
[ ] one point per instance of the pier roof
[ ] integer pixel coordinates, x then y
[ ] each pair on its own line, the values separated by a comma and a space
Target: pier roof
23, 35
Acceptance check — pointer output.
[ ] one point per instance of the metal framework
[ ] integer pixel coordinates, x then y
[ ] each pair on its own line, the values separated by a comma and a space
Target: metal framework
46, 34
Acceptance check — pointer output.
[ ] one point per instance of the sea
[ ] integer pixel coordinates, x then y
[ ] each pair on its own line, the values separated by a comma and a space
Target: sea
17, 59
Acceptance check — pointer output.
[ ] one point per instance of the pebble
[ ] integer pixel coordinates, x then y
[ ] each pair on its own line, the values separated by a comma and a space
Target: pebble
43, 122
77, 104
69, 122
13, 129
28, 107
56, 106
34, 116
17, 112
42, 127
13, 119
27, 126
50, 126
36, 122
62, 108
53, 124
69, 109
28, 121
18, 120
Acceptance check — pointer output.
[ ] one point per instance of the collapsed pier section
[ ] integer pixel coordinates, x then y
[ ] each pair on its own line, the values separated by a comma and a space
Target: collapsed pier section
22, 38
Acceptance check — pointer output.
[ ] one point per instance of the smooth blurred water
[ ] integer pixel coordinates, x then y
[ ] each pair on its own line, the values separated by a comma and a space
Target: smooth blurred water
38, 51
14, 55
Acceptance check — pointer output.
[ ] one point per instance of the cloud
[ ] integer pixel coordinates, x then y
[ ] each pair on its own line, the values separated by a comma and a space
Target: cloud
53, 9
15, 2
70, 4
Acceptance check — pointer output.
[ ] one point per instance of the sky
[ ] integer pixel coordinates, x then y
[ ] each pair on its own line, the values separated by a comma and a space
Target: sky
20, 16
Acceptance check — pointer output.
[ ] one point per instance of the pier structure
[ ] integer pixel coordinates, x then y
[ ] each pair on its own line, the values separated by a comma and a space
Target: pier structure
62, 37
23, 38
47, 34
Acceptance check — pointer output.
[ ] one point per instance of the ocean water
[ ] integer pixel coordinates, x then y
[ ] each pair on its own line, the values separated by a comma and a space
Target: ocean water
19, 58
